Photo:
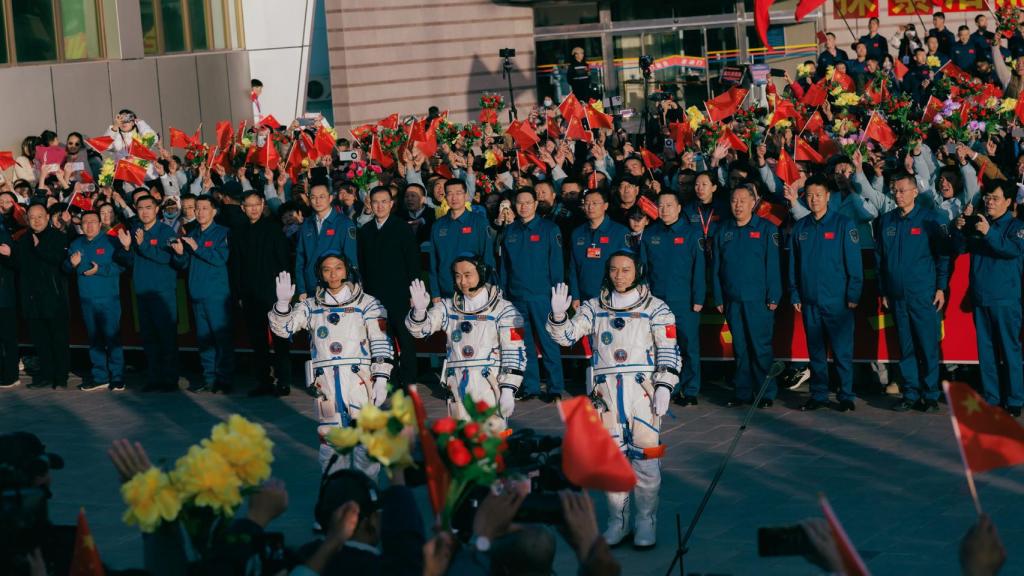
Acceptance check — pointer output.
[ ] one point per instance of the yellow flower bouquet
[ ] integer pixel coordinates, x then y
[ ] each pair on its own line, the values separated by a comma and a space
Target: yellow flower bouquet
384, 434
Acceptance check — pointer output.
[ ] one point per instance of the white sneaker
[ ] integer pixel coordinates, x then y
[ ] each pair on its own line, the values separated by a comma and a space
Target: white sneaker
797, 379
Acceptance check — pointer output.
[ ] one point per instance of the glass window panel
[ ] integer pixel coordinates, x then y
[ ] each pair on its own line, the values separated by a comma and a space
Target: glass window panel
34, 37
3, 36
552, 58
197, 24
80, 27
173, 23
565, 13
651, 9
217, 24
149, 35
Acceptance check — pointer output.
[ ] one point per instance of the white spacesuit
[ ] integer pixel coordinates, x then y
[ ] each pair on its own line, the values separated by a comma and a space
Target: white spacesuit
486, 354
635, 366
351, 356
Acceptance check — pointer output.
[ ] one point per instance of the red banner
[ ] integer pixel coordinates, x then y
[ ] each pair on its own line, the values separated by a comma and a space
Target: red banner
963, 6
859, 8
909, 7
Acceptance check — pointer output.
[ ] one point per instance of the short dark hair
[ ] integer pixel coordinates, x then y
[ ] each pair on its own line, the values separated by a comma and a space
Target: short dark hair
246, 195
319, 182
670, 193
422, 188
1002, 185
978, 17
144, 198
191, 196
817, 180
830, 35
85, 213
939, 15
47, 136
525, 190
455, 182
256, 83
873, 19
378, 189
963, 27
597, 191
206, 198
901, 176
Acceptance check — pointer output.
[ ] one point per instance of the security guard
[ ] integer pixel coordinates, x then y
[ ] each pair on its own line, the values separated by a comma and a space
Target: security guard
913, 262
676, 269
826, 277
531, 263
747, 287
327, 231
457, 232
91, 260
591, 246
995, 240
205, 252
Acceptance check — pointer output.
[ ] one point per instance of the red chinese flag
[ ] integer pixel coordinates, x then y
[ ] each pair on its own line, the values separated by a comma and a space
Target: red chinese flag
955, 72
827, 147
86, 558
649, 207
682, 135
725, 105
575, 131
774, 213
844, 80
139, 150
444, 171
934, 106
523, 134
590, 458
529, 158
428, 144
805, 7
990, 438
821, 37
378, 155
880, 132
362, 132
900, 69
732, 140
269, 122
100, 143
130, 172
391, 122
785, 110
179, 139
598, 119
1019, 110
786, 168
814, 124
438, 477
651, 160
324, 142
853, 565
117, 228
806, 153
871, 94
571, 108
815, 95
6, 160
293, 164
81, 201
553, 130
225, 136
762, 19
266, 155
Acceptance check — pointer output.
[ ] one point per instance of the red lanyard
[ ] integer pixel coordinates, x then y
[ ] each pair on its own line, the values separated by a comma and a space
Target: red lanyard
705, 224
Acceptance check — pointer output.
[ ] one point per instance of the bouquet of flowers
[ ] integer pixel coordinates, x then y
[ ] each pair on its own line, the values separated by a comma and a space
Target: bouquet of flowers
196, 154
803, 70
471, 133
954, 120
1008, 18
383, 433
106, 177
490, 104
147, 139
362, 174
747, 123
391, 139
447, 132
484, 184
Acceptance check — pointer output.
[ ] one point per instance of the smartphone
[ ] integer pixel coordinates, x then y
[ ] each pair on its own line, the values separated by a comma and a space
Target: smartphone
349, 156
777, 73
670, 144
77, 166
950, 147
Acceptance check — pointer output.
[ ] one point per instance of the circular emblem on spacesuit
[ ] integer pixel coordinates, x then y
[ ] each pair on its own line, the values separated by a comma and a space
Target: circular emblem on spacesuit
456, 336
466, 327
467, 351
606, 338
335, 348
618, 323
334, 318
620, 355
321, 332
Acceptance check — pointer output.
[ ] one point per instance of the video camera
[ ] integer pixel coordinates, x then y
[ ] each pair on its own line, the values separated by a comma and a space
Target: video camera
24, 520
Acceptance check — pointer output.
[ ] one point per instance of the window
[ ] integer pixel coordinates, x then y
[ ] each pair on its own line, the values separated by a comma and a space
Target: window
565, 13
50, 30
34, 37
187, 25
197, 24
79, 27
173, 25
623, 10
3, 36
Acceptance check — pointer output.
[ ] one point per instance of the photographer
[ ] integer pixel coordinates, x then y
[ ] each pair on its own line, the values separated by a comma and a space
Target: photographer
578, 75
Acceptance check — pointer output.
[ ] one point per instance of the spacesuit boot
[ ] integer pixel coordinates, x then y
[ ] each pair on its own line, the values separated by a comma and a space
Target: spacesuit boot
618, 516
648, 482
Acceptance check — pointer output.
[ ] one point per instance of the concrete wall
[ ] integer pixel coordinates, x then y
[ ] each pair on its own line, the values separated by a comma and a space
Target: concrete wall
396, 56
277, 40
179, 91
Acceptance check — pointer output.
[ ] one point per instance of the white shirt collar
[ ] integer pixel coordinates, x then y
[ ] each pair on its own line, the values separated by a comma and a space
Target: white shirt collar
343, 296
476, 302
626, 299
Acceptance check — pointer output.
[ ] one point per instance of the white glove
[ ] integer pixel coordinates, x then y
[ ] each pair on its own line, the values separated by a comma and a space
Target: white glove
285, 290
661, 397
560, 301
380, 390
420, 297
506, 403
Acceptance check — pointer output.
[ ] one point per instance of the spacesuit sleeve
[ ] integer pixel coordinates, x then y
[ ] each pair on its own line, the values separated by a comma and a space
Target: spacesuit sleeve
436, 319
667, 360
382, 353
287, 324
571, 330
513, 348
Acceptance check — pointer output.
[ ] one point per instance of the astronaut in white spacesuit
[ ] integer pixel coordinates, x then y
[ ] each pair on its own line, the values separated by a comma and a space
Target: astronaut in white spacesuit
635, 367
351, 354
486, 354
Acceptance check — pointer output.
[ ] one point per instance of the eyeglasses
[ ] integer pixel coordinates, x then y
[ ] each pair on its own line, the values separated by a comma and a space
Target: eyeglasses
75, 144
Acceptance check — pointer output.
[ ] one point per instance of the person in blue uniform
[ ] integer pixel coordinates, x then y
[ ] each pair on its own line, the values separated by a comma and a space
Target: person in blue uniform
912, 251
826, 277
147, 250
459, 231
91, 261
531, 263
945, 36
830, 56
875, 44
205, 252
327, 230
965, 50
995, 241
591, 245
747, 287
676, 270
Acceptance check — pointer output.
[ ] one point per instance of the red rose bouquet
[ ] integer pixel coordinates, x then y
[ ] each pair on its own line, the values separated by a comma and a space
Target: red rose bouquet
490, 104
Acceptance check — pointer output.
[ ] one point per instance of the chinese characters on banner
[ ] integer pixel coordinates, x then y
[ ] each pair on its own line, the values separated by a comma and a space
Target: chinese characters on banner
963, 5
861, 8
909, 7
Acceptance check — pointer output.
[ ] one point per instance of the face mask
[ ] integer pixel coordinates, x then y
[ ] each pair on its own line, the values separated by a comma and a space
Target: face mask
170, 214
548, 102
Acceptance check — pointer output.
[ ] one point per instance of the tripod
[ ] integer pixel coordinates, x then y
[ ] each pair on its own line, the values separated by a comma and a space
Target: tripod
506, 73
645, 68
681, 540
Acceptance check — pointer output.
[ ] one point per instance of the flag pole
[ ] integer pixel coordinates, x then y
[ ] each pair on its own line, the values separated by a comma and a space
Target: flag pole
960, 447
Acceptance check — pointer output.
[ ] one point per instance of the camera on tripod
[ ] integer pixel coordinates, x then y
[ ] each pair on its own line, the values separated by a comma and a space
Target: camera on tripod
646, 62
507, 53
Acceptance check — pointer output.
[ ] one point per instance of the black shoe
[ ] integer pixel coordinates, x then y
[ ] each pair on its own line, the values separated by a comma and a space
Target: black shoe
117, 386
196, 388
812, 405
91, 386
929, 406
846, 406
766, 403
735, 402
685, 400
551, 397
905, 406
263, 390
282, 390
1013, 411
39, 384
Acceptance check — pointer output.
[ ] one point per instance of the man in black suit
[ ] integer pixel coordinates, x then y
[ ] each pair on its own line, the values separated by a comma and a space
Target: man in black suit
389, 260
416, 213
259, 252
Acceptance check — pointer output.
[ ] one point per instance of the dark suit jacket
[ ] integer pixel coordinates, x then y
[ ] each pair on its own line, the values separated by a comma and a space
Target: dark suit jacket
259, 252
426, 219
42, 285
389, 260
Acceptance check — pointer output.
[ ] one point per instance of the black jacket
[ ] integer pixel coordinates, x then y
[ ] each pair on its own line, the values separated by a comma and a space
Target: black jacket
425, 221
42, 285
258, 253
389, 260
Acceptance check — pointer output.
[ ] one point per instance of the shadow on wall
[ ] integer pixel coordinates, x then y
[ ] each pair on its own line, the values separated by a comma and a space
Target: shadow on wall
485, 76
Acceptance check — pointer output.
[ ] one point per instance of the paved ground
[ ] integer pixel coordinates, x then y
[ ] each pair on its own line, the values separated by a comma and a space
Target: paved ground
894, 479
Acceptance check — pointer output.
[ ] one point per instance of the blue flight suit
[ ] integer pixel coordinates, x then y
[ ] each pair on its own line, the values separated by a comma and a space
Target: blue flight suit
747, 279
335, 234
588, 255
156, 282
210, 296
531, 263
707, 217
912, 252
100, 296
451, 237
964, 55
825, 273
676, 271
997, 263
